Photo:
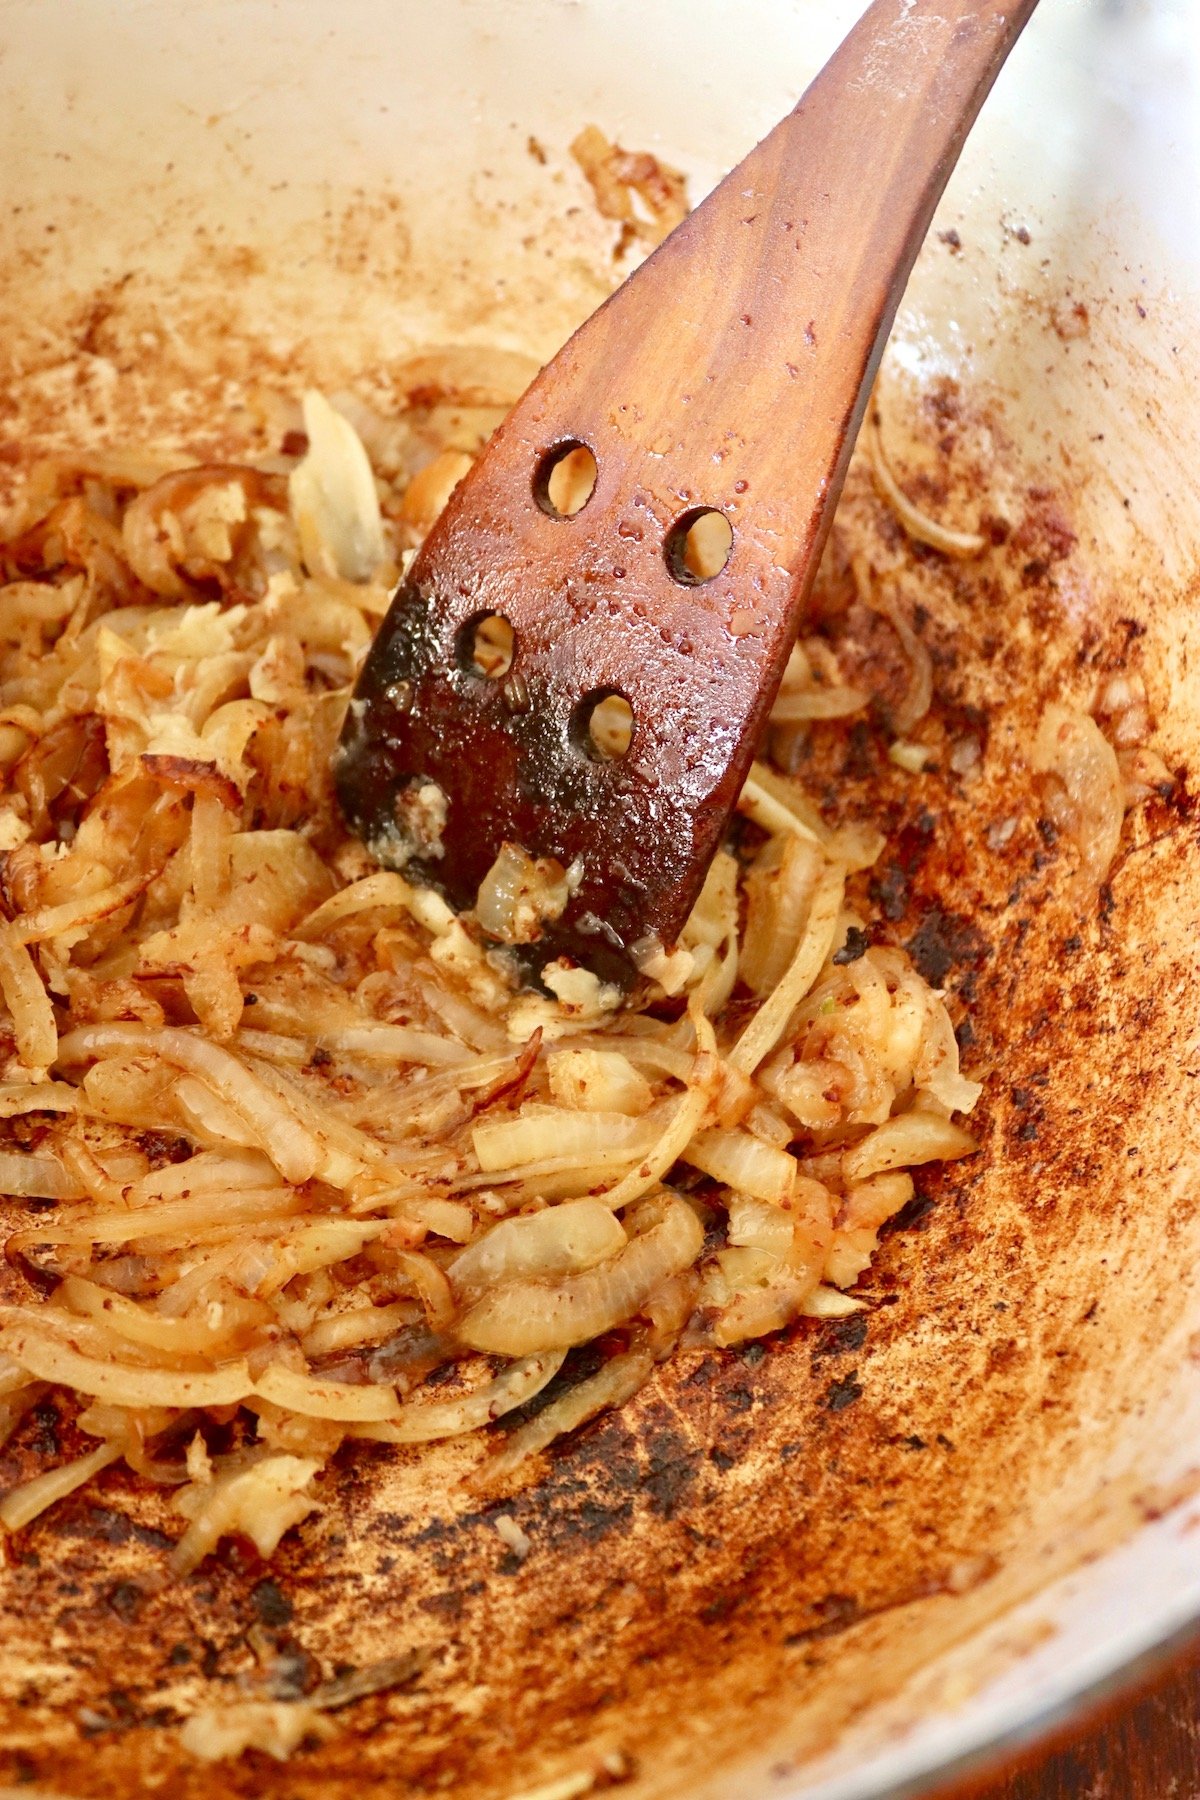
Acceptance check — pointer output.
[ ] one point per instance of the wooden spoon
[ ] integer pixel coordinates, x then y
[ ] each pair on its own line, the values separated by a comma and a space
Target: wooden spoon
727, 375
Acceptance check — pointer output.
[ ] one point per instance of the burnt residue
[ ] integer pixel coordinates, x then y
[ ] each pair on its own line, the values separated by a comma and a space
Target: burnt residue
944, 943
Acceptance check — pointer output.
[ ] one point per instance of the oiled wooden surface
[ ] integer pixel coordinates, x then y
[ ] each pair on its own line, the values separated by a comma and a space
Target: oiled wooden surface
1145, 1747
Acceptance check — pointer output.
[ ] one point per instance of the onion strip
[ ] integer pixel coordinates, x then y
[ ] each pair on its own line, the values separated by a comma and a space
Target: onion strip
20, 1507
767, 1026
918, 524
424, 1421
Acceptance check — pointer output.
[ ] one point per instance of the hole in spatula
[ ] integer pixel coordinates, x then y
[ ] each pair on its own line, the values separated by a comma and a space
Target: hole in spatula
698, 546
565, 480
485, 646
603, 725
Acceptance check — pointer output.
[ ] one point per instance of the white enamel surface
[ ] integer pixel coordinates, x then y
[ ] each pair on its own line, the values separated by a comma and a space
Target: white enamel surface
253, 116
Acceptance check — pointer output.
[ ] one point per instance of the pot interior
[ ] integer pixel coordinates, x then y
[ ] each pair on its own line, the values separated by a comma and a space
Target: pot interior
799, 1568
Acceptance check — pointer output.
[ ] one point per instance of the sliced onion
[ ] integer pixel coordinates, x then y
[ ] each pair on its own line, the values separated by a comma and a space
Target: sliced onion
424, 1421
918, 524
767, 1026
29, 1177
260, 1501
50, 1358
318, 1399
524, 1317
27, 1001
913, 1137
333, 498
294, 1151
20, 1507
817, 703
1071, 747
616, 1382
743, 1163
36, 1096
562, 1240
556, 1133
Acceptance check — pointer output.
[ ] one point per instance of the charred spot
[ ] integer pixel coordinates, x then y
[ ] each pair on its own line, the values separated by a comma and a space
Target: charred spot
449, 1605
889, 891
672, 1466
914, 1215
859, 761
720, 1607
944, 941
841, 1394
856, 945
589, 1521
112, 1527
841, 1337
125, 1599
272, 1605
47, 1440
162, 1147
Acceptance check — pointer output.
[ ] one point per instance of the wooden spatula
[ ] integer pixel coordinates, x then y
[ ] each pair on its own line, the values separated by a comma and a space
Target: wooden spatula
728, 377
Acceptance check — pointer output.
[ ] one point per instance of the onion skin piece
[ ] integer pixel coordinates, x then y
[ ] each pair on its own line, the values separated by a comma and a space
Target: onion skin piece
524, 1317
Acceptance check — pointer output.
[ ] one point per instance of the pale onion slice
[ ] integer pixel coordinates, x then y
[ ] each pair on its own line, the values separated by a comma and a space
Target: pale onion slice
317, 1399
276, 1727
744, 1163
818, 703
78, 914
226, 1317
199, 1215
562, 1240
1071, 747
691, 1110
598, 1081
51, 1358
260, 1502
827, 1303
27, 1176
558, 1132
27, 1001
292, 1148
613, 1385
333, 498
911, 1138
385, 891
36, 1096
918, 524
20, 1507
767, 1026
524, 1317
424, 1421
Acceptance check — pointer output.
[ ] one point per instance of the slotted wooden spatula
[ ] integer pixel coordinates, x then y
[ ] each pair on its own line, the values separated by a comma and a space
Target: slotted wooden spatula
727, 376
